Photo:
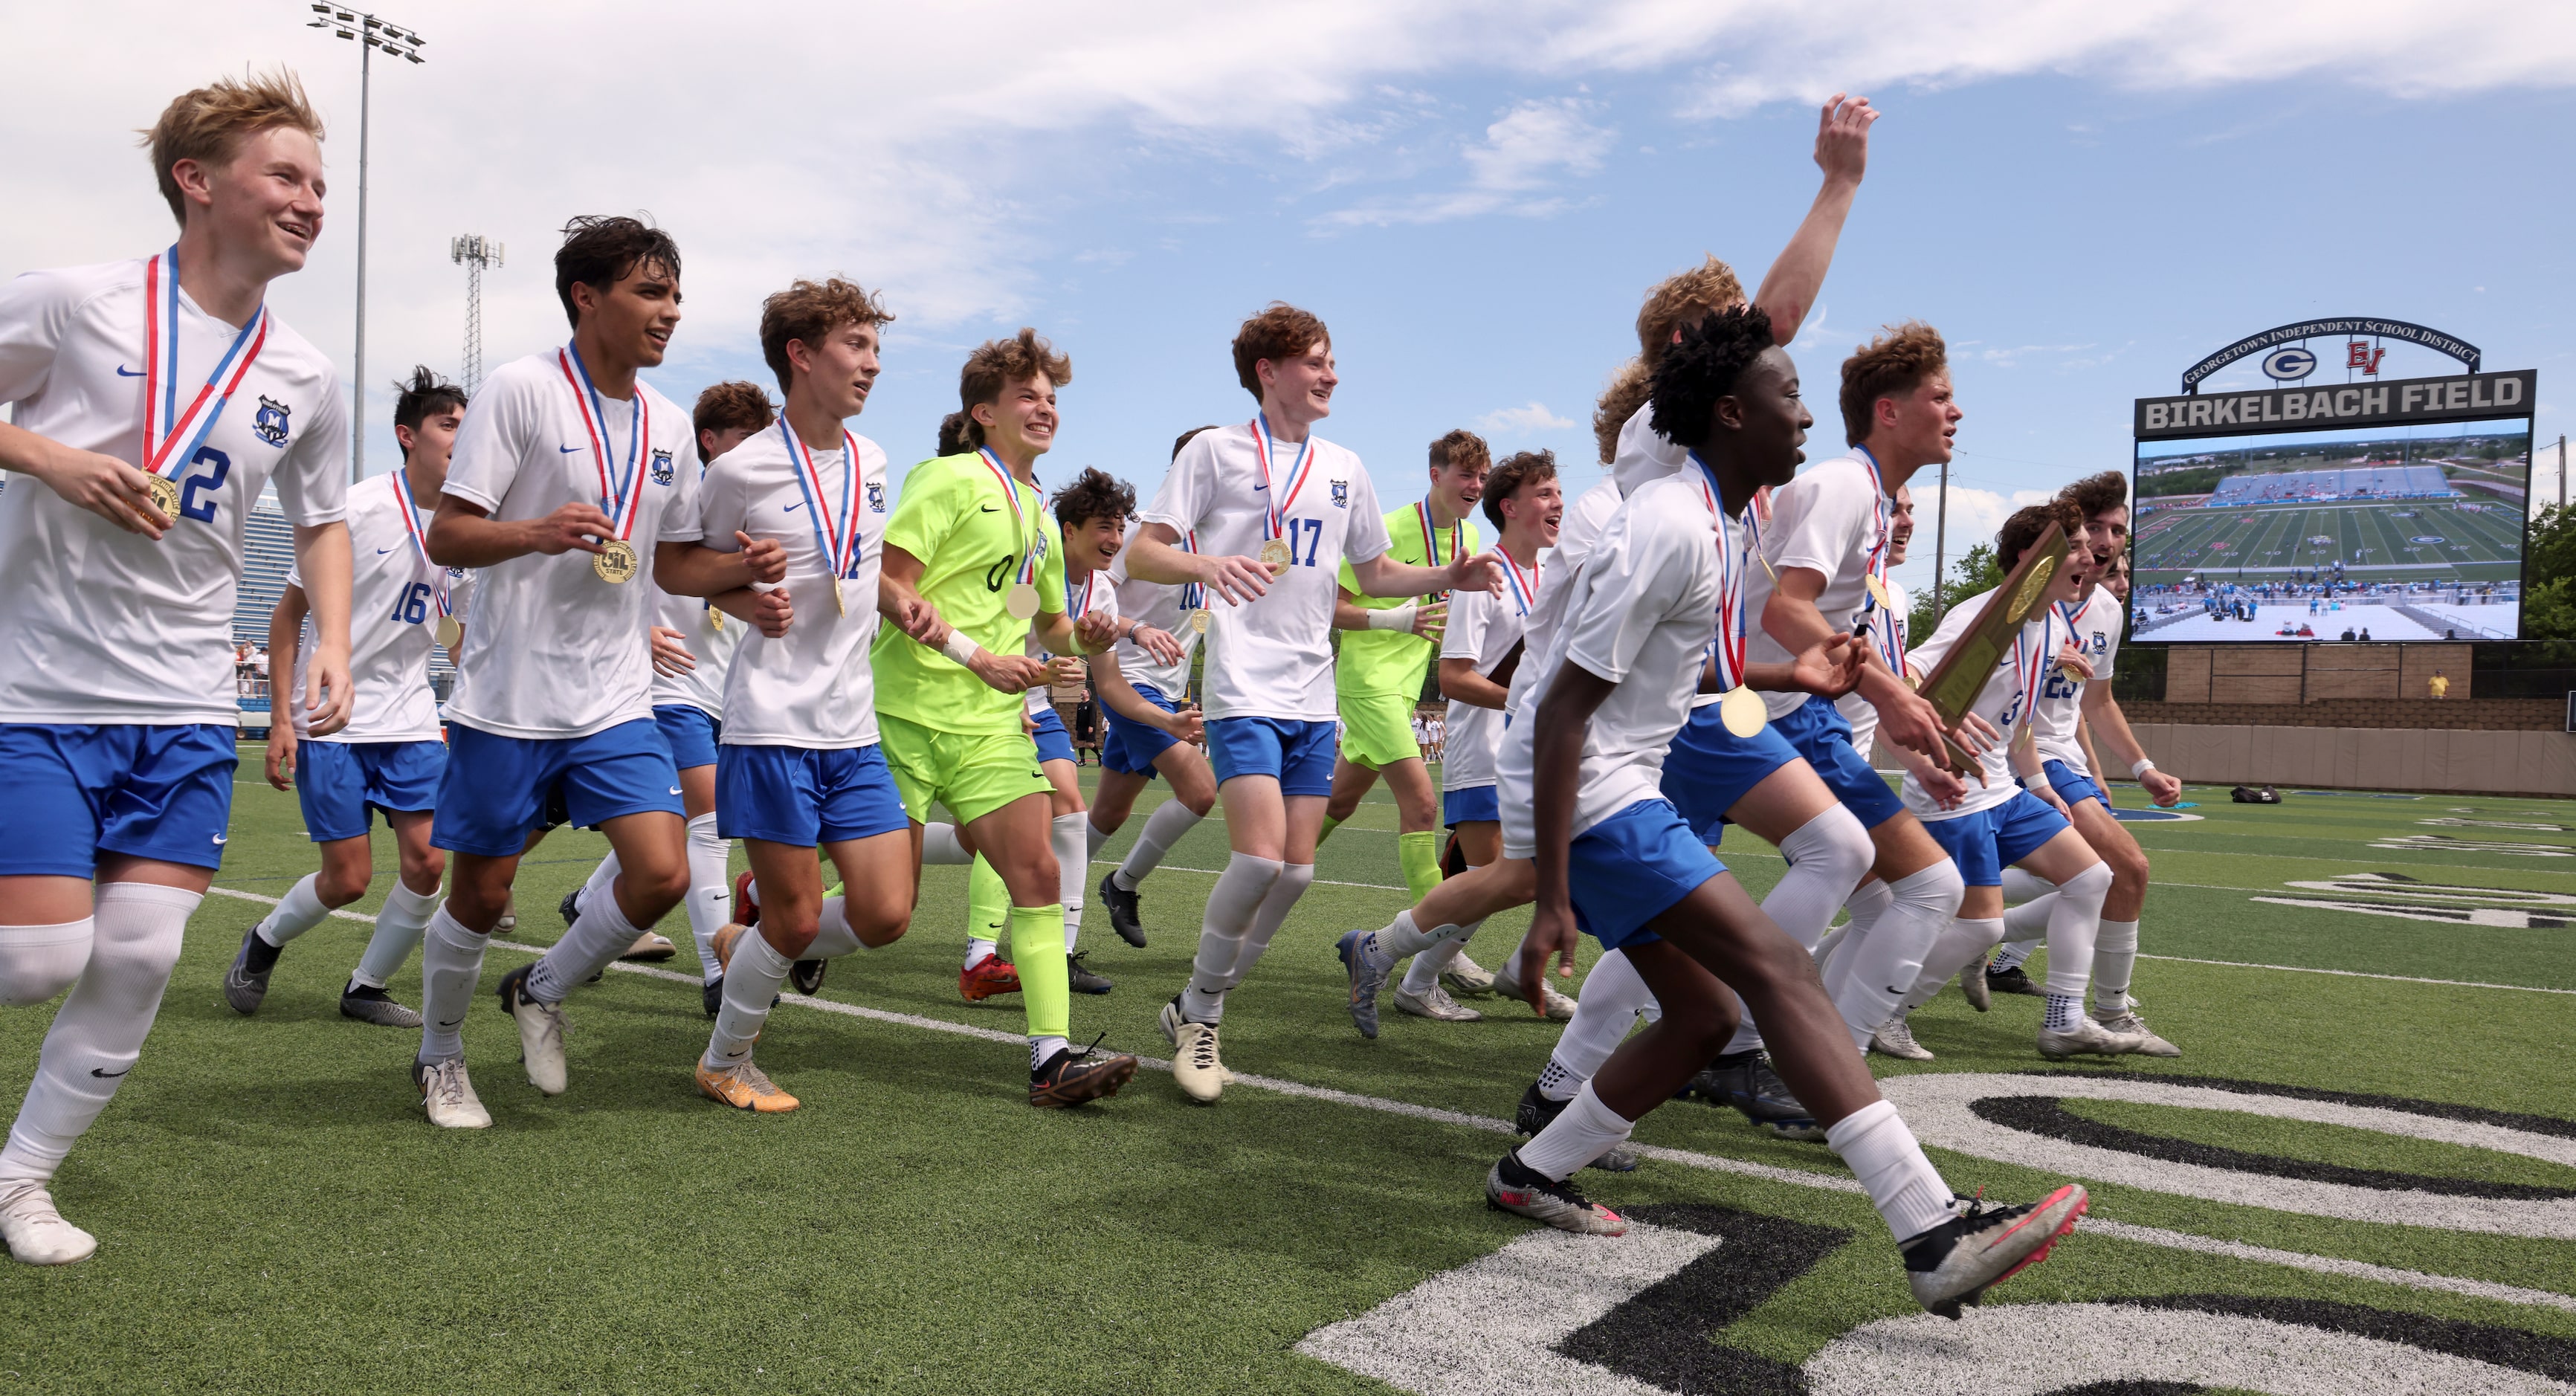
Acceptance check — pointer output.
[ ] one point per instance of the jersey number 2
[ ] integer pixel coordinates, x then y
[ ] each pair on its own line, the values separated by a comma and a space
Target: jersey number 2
203, 510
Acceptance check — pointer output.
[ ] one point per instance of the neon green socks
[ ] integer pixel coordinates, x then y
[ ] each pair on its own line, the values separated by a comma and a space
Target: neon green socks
1420, 855
1330, 824
1037, 949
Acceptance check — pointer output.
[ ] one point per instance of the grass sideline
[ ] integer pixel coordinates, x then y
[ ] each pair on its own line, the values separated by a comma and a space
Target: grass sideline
274, 1215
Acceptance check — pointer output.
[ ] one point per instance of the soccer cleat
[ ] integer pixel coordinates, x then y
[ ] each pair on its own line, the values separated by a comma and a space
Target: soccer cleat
509, 916
369, 1004
711, 994
1195, 1065
987, 977
2011, 981
1366, 977
2086, 1038
1123, 907
1510, 1187
541, 1032
727, 936
1560, 1009
36, 1233
1069, 1077
1465, 979
1747, 1082
744, 1087
1895, 1038
1536, 1112
806, 976
448, 1096
569, 908
650, 948
246, 982
1080, 979
2127, 1023
1974, 988
745, 909
1956, 1262
1435, 1005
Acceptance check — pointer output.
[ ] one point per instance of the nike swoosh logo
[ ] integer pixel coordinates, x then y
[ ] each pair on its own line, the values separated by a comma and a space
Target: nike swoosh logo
380, 552
94, 1071
445, 1023
675, 790
219, 838
567, 450
792, 508
123, 372
989, 509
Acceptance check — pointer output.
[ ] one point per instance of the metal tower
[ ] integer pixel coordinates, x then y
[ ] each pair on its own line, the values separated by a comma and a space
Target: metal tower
473, 254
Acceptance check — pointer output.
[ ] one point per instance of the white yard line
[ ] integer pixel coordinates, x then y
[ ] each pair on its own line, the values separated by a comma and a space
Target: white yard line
1832, 1182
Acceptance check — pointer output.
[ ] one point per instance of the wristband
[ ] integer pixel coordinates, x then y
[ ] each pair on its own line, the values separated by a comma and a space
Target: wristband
1393, 617
2141, 767
961, 648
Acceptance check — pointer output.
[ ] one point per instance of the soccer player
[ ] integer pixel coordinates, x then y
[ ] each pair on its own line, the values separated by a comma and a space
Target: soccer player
1154, 729
392, 752
1582, 795
1387, 648
798, 766
1986, 822
1480, 650
693, 645
969, 563
568, 466
1269, 487
1885, 626
152, 399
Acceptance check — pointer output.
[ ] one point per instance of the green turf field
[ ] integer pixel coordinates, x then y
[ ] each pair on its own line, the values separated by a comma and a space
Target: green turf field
274, 1215
2382, 541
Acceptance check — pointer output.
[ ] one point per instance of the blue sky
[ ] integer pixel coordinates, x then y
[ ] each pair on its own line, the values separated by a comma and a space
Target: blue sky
1474, 197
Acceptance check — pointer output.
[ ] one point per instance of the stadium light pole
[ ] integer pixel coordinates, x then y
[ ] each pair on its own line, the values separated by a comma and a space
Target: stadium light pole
370, 34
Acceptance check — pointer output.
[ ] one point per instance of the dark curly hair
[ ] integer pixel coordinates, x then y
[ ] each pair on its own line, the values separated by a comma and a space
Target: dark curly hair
2028, 523
2095, 494
952, 435
1094, 494
1692, 375
598, 252
1516, 470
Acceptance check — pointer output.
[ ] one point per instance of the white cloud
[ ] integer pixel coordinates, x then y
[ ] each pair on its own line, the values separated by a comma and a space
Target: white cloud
1523, 154
1521, 421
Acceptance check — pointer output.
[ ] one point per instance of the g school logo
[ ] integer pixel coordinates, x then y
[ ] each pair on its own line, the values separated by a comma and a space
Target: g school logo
1341, 494
271, 424
876, 497
662, 471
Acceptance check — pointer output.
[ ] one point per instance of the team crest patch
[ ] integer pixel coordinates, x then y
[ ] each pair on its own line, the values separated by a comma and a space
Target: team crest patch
876, 497
662, 472
1341, 494
270, 425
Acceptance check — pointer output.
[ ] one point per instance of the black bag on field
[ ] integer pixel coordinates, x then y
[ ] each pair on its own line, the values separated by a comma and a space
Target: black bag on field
2255, 795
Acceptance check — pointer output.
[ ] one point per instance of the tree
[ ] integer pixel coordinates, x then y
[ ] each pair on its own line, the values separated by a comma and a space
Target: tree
2549, 582
1969, 576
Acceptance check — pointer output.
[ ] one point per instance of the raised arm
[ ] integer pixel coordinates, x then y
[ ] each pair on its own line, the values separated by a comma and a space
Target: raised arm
1790, 287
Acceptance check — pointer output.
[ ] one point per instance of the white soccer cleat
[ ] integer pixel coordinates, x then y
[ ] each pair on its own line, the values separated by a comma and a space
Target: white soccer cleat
541, 1033
36, 1233
1464, 976
1895, 1038
1560, 1008
2128, 1024
1434, 1004
1202, 1076
2086, 1038
1972, 987
448, 1096
1957, 1262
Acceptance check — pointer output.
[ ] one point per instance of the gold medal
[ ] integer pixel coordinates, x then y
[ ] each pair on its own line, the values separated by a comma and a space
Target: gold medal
1743, 712
840, 604
715, 620
1199, 620
451, 632
165, 496
1022, 603
1878, 593
2068, 672
1274, 553
615, 560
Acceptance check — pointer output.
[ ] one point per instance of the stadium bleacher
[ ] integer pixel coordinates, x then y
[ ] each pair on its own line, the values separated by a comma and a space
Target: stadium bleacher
2373, 482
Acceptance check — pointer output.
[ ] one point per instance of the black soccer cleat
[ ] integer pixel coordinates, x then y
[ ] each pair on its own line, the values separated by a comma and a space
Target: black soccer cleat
246, 981
1080, 979
2011, 981
1536, 1112
806, 976
369, 1004
711, 994
1746, 1081
1122, 910
1072, 1077
569, 908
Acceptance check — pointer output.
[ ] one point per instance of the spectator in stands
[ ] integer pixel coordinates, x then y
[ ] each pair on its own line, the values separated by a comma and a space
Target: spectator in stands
2439, 684
2347, 632
2365, 633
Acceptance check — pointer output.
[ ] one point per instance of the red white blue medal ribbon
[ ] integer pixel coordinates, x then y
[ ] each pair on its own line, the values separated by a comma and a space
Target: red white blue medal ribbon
164, 423
1019, 524
1524, 584
419, 542
2031, 660
620, 495
1193, 597
1431, 535
1274, 520
1727, 647
837, 535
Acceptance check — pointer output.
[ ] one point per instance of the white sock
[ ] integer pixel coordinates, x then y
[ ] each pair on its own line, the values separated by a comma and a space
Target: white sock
1230, 907
1902, 1184
38, 962
710, 899
978, 950
2017, 953
1867, 903
1093, 836
1613, 996
451, 967
750, 983
2021, 885
1042, 1048
2115, 958
300, 910
1961, 944
833, 936
598, 936
1516, 965
1293, 880
398, 929
1585, 1130
1881, 967
1073, 867
1555, 1082
601, 883
1163, 828
2072, 927
1423, 975
939, 846
2029, 921
97, 1035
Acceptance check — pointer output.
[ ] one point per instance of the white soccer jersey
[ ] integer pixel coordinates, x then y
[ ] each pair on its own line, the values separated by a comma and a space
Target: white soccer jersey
2000, 702
1854, 708
1160, 606
1640, 613
98, 625
1830, 520
393, 622
1483, 628
1642, 455
555, 651
2095, 629
811, 687
1575, 535
1274, 657
711, 638
1095, 592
